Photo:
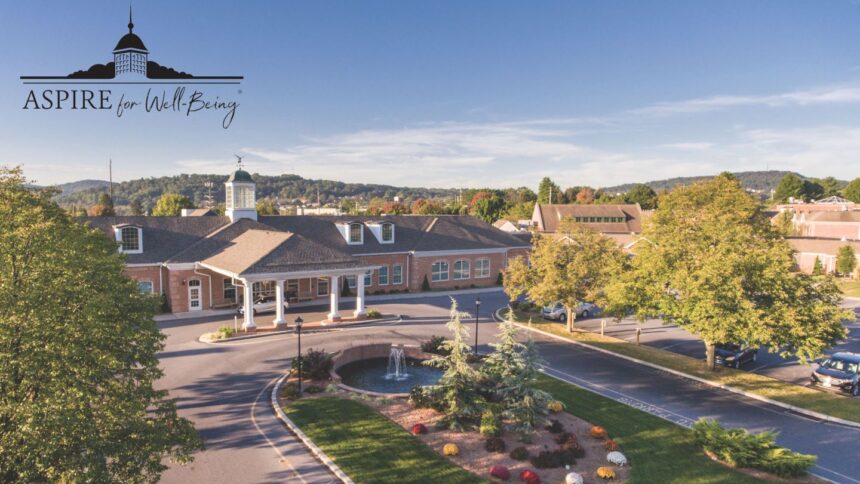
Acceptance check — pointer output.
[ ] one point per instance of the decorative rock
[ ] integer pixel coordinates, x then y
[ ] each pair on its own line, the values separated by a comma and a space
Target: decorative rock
500, 472
573, 478
616, 458
450, 449
419, 429
529, 477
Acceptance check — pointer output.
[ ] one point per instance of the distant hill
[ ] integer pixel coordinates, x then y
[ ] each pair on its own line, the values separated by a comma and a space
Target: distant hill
751, 180
284, 188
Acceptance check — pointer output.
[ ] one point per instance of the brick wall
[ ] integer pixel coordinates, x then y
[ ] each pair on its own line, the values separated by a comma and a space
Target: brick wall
150, 274
422, 265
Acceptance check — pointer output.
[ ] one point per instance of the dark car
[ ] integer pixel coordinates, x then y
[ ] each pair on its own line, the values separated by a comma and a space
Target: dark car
839, 372
734, 355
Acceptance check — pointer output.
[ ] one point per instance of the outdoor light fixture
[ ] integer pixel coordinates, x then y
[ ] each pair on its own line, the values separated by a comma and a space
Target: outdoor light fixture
299, 322
477, 308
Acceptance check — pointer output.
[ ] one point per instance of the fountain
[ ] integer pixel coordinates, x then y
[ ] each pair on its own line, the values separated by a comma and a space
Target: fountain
396, 364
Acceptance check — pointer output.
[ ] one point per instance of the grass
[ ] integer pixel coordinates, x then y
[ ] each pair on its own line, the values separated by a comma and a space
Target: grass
850, 288
658, 450
369, 447
803, 397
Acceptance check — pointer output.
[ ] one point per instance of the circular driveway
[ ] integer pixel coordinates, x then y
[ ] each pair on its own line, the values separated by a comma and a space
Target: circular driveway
224, 388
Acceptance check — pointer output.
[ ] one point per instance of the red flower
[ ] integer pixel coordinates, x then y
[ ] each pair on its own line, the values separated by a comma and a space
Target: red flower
418, 429
500, 472
529, 477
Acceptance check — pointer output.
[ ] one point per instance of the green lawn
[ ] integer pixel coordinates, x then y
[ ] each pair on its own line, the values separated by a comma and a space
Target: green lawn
658, 450
369, 447
808, 398
850, 288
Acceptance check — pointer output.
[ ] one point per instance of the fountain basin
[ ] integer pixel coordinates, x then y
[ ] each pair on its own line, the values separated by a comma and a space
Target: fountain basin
370, 369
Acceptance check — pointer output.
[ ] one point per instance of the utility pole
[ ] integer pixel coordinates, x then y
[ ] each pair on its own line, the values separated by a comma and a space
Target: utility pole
110, 180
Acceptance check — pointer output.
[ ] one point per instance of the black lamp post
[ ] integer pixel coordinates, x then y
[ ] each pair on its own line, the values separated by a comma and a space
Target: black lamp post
299, 322
477, 308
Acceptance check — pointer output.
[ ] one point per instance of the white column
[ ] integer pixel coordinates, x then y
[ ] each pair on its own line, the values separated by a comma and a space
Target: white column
333, 314
359, 296
248, 324
280, 322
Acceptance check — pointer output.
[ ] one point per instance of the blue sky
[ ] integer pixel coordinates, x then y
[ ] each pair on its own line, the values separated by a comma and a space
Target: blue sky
452, 93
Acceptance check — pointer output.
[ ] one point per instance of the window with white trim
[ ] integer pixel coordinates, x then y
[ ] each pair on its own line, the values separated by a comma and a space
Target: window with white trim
322, 286
383, 276
368, 278
461, 269
388, 232
263, 290
229, 290
350, 281
130, 239
355, 233
439, 271
396, 275
145, 287
482, 268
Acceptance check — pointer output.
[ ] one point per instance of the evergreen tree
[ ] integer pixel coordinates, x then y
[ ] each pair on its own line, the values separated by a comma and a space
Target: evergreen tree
817, 267
457, 392
546, 189
846, 260
791, 186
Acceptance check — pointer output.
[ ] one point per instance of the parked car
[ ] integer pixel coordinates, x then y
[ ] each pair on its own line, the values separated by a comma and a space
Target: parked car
734, 355
839, 372
266, 304
558, 313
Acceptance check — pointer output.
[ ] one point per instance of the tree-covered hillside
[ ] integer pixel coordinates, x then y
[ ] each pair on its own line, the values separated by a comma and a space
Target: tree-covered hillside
751, 180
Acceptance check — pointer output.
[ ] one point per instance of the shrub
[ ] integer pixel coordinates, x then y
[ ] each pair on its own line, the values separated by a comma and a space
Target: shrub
314, 389
740, 448
610, 445
500, 472
373, 313
450, 449
290, 391
605, 473
554, 427
529, 477
434, 345
598, 432
316, 364
491, 424
425, 284
555, 406
548, 459
569, 442
520, 453
224, 332
419, 397
419, 429
494, 444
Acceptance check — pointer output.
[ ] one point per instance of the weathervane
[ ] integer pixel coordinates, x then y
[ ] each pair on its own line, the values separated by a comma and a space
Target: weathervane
239, 161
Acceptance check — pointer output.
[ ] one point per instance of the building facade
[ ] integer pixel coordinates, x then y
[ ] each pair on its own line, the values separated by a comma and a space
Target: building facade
211, 262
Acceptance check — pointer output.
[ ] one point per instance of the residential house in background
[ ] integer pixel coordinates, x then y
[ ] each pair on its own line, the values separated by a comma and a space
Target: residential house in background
621, 222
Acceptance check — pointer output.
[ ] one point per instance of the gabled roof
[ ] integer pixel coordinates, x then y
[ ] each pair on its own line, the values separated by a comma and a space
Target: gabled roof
833, 216
817, 245
550, 216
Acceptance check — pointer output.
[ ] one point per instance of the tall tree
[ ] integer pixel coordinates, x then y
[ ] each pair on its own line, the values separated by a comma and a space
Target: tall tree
78, 345
830, 186
846, 260
571, 267
791, 186
488, 206
136, 207
642, 194
852, 191
546, 189
265, 207
171, 205
585, 195
710, 262
104, 207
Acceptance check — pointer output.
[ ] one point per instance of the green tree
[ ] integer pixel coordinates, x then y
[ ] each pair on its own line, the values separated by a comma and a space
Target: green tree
347, 205
171, 205
830, 186
710, 262
514, 368
791, 186
520, 211
547, 188
846, 260
104, 207
852, 191
642, 194
457, 393
136, 207
488, 206
572, 267
817, 267
812, 190
784, 223
79, 354
266, 207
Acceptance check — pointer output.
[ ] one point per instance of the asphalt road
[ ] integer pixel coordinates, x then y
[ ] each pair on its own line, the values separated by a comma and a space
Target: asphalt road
222, 388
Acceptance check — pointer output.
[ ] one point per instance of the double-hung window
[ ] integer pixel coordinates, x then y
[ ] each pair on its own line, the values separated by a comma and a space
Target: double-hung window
397, 274
439, 271
482, 268
383, 276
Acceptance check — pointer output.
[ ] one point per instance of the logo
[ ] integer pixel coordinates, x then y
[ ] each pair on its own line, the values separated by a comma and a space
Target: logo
168, 90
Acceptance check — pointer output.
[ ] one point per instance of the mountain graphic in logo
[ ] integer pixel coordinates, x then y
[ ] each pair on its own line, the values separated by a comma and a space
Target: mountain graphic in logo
131, 62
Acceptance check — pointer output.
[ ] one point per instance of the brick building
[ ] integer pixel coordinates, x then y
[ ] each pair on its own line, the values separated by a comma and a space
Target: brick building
207, 262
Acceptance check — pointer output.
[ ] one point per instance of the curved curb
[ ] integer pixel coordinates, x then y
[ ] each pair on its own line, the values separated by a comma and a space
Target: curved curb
787, 406
316, 451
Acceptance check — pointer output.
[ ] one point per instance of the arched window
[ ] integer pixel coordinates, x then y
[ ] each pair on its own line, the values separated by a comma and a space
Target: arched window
461, 269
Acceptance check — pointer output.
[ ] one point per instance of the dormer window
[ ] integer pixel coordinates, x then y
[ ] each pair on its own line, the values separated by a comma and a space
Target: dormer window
130, 239
388, 233
355, 233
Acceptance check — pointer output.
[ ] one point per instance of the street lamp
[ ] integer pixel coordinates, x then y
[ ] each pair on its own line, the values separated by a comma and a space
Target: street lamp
477, 308
299, 322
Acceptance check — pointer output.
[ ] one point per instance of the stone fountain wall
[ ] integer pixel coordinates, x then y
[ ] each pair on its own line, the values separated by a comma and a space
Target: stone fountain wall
366, 352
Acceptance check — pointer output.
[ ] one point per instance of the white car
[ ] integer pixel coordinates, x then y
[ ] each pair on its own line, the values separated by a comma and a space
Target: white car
262, 305
558, 313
